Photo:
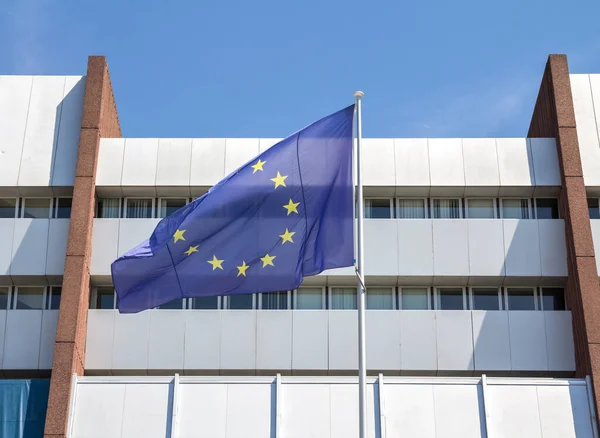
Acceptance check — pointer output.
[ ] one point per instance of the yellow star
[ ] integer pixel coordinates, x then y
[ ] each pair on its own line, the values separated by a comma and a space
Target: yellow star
279, 180
191, 249
268, 260
258, 166
287, 236
242, 269
216, 263
178, 235
291, 207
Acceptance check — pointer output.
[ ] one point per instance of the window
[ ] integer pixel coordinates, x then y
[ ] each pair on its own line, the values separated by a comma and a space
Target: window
343, 298
481, 209
553, 298
168, 206
309, 298
380, 298
240, 302
414, 298
546, 208
520, 298
54, 293
274, 301
411, 209
378, 208
450, 299
29, 298
36, 208
139, 208
205, 303
4, 298
63, 208
172, 305
109, 208
8, 208
515, 208
104, 298
593, 208
445, 208
486, 299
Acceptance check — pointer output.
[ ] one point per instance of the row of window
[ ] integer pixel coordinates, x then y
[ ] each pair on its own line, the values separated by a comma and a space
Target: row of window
30, 297
35, 208
378, 298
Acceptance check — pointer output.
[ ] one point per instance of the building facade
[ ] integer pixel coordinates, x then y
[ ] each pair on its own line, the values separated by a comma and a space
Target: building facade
483, 295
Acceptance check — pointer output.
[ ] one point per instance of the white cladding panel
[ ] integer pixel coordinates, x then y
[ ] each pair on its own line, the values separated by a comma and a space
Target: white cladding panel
450, 247
383, 339
522, 247
131, 341
418, 343
595, 224
381, 249
238, 151
2, 335
29, 245
174, 162
564, 412
202, 349
412, 164
545, 161
465, 422
132, 232
109, 171
274, 340
378, 162
491, 340
454, 335
553, 248
208, 161
409, 410
105, 244
343, 340
512, 411
7, 229
139, 166
310, 348
515, 164
415, 247
559, 340
481, 165
528, 340
58, 233
238, 339
47, 338
22, 340
486, 247
166, 340
446, 162
99, 339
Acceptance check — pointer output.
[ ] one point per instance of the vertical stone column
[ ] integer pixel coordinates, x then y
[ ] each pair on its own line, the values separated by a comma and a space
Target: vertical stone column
554, 116
99, 119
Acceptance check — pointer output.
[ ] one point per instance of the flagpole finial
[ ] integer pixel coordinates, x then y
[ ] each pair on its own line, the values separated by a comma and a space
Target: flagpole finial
358, 94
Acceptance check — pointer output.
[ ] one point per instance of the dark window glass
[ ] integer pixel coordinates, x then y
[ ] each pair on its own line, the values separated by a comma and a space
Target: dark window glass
169, 206
54, 298
450, 299
520, 299
378, 209
380, 299
274, 301
414, 299
63, 208
8, 208
205, 303
140, 208
238, 302
172, 305
3, 298
36, 208
29, 298
105, 298
593, 208
485, 299
108, 208
546, 208
553, 298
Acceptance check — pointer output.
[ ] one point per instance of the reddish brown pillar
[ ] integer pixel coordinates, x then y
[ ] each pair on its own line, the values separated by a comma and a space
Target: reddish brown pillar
554, 116
99, 119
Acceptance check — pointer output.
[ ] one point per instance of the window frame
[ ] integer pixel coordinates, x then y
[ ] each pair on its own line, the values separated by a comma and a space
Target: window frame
330, 294
368, 198
225, 302
460, 207
323, 298
437, 293
494, 206
22, 206
120, 208
501, 303
259, 301
536, 303
17, 206
426, 206
15, 296
126, 200
159, 202
429, 297
547, 197
94, 297
529, 204
394, 296
55, 206
540, 298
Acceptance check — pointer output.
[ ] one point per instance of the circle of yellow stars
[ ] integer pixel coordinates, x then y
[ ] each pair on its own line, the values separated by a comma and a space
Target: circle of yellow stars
267, 260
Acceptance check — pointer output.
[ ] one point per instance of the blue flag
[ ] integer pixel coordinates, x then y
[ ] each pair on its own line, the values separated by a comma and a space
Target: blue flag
284, 215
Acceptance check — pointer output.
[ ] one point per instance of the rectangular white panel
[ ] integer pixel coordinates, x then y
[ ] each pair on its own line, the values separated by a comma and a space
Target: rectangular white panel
553, 248
110, 162
202, 340
415, 247
147, 410
139, 162
486, 247
512, 411
481, 164
418, 340
446, 162
314, 402
58, 233
166, 344
22, 340
202, 408
527, 341
344, 412
7, 228
238, 151
67, 145
559, 340
132, 232
545, 161
450, 247
310, 340
47, 338
267, 143
381, 246
2, 335
174, 161
522, 247
208, 161
105, 242
238, 340
42, 130
99, 339
515, 163
564, 411
412, 162
15, 92
29, 246
595, 224
454, 340
458, 411
274, 339
130, 348
491, 340
343, 340
595, 89
257, 417
99, 411
409, 411
383, 340
378, 162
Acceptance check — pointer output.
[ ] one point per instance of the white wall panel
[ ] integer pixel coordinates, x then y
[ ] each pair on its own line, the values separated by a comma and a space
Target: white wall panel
383, 340
343, 340
409, 411
515, 164
99, 411
415, 247
512, 411
378, 162
559, 340
41, 132
486, 247
67, 145
47, 338
238, 340
381, 246
344, 415
257, 416
528, 341
22, 340
166, 340
310, 340
132, 232
30, 242
267, 143
58, 232
110, 162
274, 340
131, 341
99, 339
553, 248
174, 163
105, 242
564, 411
446, 163
545, 161
491, 340
208, 161
238, 151
139, 164
202, 340
481, 165
454, 335
450, 247
2, 335
412, 164
595, 224
202, 408
522, 247
418, 340
313, 401
595, 90
15, 92
458, 411
146, 411
7, 228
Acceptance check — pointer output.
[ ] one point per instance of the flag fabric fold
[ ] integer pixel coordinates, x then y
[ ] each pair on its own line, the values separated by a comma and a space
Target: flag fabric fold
284, 215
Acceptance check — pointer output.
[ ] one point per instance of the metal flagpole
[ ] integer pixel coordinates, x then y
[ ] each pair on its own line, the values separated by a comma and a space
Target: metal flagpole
360, 271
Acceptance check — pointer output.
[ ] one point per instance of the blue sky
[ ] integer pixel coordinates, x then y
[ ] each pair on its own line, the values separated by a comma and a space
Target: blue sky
267, 68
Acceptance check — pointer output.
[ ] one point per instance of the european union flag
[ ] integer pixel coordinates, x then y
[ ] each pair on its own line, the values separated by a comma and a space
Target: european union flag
284, 215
